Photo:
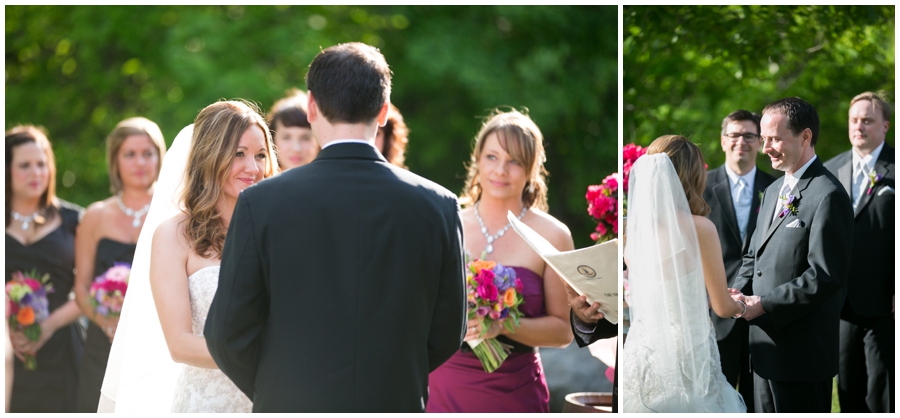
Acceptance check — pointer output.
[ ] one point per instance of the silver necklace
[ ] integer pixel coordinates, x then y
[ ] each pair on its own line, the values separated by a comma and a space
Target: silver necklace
136, 214
491, 238
25, 220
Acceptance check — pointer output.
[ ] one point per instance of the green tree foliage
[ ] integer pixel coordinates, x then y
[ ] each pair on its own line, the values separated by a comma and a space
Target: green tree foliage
686, 68
78, 70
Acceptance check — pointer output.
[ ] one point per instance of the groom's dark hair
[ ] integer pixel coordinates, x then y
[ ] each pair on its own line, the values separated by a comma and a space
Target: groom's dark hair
800, 115
349, 82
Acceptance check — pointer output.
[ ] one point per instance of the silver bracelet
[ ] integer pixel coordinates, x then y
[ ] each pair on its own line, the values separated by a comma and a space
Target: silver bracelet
742, 313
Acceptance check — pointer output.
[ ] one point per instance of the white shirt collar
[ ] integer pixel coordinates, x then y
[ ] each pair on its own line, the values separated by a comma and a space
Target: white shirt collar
748, 178
348, 141
868, 160
793, 179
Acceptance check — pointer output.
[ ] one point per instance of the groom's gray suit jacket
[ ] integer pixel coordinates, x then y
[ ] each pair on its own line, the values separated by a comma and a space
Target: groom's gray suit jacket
799, 274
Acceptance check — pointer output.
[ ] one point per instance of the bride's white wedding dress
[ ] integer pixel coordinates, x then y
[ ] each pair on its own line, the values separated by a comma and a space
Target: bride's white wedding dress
670, 359
647, 388
199, 389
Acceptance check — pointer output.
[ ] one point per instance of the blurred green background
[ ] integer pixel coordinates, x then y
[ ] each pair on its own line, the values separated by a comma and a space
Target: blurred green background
78, 70
686, 68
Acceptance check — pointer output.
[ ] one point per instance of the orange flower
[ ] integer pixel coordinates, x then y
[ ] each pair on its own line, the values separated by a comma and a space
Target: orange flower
25, 316
483, 265
509, 298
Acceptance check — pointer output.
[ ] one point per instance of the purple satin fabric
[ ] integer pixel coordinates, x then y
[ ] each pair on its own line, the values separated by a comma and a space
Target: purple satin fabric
519, 385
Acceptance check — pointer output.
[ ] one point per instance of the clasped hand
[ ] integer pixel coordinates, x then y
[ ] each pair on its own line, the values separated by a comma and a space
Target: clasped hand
754, 307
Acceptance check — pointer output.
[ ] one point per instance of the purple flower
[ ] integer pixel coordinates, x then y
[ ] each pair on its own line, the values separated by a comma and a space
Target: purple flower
790, 205
504, 277
874, 179
26, 300
504, 313
482, 311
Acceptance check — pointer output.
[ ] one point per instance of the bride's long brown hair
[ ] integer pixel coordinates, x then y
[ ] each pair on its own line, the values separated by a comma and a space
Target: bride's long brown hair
217, 133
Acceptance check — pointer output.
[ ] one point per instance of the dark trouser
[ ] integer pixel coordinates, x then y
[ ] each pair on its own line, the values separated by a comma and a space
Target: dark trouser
777, 396
866, 371
734, 351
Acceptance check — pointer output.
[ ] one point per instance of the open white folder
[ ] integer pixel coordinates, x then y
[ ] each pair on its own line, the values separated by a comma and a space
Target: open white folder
591, 271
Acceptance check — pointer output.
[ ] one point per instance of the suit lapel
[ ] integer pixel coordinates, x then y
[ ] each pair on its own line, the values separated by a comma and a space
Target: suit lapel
845, 173
754, 209
722, 191
768, 209
881, 167
797, 191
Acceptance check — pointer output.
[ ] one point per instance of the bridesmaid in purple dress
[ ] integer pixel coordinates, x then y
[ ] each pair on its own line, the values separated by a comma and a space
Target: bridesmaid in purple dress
506, 173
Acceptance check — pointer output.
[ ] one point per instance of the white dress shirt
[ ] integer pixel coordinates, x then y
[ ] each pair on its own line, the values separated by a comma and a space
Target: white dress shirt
349, 141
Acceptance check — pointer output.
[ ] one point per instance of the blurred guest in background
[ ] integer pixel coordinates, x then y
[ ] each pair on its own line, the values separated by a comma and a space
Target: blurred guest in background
392, 138
866, 371
291, 131
40, 237
108, 235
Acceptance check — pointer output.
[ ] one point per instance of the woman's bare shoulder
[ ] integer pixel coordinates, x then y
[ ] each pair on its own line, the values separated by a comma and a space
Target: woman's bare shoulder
548, 227
171, 231
705, 228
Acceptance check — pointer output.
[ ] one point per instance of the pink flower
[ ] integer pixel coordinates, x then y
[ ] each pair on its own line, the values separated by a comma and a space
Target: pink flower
487, 291
33, 284
495, 314
519, 286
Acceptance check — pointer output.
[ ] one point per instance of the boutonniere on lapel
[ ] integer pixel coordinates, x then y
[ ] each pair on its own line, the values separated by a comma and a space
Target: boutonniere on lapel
790, 205
874, 180
761, 194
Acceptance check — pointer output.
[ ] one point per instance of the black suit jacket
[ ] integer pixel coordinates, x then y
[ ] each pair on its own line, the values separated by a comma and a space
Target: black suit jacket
871, 281
341, 287
799, 274
718, 195
604, 329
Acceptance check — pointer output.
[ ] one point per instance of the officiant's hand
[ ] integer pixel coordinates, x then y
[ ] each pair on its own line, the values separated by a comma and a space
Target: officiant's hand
473, 332
754, 308
735, 294
588, 313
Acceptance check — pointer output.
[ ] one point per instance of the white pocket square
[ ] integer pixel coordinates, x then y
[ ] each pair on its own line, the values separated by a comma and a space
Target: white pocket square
886, 190
796, 224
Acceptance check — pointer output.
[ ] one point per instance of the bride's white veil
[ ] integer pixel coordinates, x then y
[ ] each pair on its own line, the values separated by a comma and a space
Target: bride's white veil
140, 374
668, 294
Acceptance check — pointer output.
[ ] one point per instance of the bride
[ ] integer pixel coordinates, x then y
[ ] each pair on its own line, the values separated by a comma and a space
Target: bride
670, 358
228, 148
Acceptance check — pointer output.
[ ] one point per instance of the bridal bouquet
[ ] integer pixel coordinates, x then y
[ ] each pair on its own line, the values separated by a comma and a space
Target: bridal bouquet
27, 306
108, 290
494, 294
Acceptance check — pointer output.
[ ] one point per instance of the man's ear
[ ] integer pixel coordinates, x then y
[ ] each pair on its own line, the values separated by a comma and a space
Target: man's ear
382, 114
806, 136
312, 110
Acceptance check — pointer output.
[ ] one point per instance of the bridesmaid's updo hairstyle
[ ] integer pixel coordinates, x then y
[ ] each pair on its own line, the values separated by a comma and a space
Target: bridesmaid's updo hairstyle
688, 162
23, 134
522, 139
124, 129
217, 134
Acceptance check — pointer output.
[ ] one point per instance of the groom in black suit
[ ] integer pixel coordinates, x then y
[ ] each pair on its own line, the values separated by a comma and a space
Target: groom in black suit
866, 376
796, 267
732, 192
342, 281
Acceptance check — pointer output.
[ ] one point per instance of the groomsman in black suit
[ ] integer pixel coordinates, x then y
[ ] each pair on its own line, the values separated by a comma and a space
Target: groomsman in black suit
866, 376
796, 267
342, 281
588, 326
732, 192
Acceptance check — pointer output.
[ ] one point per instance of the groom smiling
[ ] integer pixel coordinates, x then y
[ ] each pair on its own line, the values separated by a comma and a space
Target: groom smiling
797, 264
